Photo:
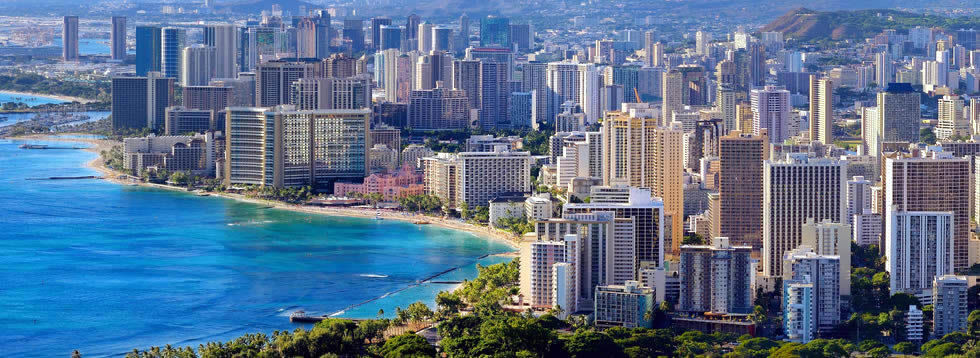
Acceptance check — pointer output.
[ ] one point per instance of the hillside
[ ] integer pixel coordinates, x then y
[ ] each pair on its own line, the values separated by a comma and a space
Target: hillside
809, 25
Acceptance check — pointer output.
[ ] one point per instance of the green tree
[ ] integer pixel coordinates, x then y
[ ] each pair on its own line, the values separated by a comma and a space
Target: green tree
589, 343
927, 136
418, 312
906, 348
407, 345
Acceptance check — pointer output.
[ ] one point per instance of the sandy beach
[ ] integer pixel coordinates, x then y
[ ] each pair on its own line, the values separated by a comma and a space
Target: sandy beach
99, 145
58, 97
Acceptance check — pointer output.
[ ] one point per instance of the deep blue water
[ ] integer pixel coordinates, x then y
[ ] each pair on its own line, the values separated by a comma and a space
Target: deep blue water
103, 268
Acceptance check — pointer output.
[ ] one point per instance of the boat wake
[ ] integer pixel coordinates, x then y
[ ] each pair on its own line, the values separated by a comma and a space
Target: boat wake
372, 275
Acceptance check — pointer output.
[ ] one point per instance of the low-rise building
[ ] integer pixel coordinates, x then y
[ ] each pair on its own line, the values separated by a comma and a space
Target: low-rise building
623, 305
392, 187
913, 324
383, 159
194, 154
538, 207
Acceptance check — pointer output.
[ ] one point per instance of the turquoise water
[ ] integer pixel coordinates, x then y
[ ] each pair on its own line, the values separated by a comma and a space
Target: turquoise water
103, 268
88, 46
20, 117
30, 100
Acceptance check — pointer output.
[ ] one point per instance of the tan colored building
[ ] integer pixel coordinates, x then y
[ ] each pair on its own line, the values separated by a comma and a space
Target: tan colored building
739, 213
639, 153
937, 181
821, 110
797, 188
466, 177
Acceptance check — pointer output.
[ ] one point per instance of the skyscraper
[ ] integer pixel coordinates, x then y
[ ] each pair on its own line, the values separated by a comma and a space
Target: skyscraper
376, 24
522, 36
69, 38
771, 112
425, 37
673, 86
899, 113
935, 182
821, 110
740, 185
148, 49
495, 32
858, 197
439, 109
795, 189
390, 37
820, 312
412, 32
494, 96
118, 38
442, 38
639, 153
918, 247
354, 34
222, 38
172, 43
274, 79
198, 65
315, 147
332, 93
633, 203
951, 121
141, 102
883, 69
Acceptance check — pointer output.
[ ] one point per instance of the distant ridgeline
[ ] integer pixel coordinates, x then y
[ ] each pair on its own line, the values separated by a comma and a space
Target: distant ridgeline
810, 25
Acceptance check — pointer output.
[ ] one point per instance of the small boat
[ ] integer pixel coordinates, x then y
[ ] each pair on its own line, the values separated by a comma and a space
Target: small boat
377, 216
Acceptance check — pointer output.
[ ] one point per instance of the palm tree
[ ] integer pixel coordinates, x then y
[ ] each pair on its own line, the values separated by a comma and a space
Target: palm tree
381, 313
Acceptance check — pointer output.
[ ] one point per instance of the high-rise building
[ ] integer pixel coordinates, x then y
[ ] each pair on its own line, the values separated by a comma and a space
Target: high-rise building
315, 147
172, 43
716, 278
433, 68
771, 113
795, 189
148, 49
650, 60
463, 35
442, 38
494, 96
495, 32
918, 247
141, 102
323, 33
332, 93
245, 131
412, 32
702, 42
522, 36
673, 86
883, 69
831, 239
938, 182
376, 24
69, 39
354, 34
439, 109
223, 39
207, 98
899, 114
821, 110
646, 211
949, 305
951, 121
242, 90
117, 47
725, 103
740, 188
306, 38
425, 37
461, 178
274, 80
819, 310
181, 120
867, 228
639, 153
537, 276
199, 64
858, 197
390, 37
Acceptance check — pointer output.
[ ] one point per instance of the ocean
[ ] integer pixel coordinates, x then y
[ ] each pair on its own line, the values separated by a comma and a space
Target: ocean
104, 268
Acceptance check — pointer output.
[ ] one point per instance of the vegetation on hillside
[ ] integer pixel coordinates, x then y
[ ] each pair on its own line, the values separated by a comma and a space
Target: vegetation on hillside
811, 26
35, 83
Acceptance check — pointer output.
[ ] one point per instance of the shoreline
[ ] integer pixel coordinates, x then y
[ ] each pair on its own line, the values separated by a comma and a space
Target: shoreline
68, 99
97, 164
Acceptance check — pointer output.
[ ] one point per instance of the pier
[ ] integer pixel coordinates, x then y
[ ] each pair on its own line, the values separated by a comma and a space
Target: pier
68, 178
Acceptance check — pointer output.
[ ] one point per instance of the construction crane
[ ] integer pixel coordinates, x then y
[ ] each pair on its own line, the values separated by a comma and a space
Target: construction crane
637, 94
